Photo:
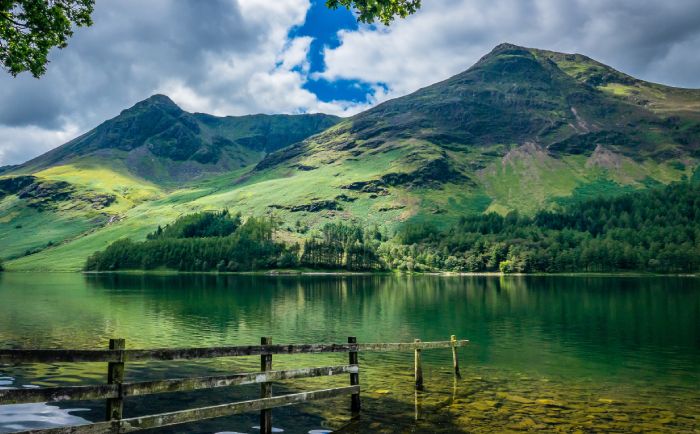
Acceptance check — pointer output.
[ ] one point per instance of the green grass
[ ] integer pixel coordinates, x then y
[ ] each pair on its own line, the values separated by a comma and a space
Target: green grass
26, 229
598, 188
527, 180
618, 89
71, 256
129, 189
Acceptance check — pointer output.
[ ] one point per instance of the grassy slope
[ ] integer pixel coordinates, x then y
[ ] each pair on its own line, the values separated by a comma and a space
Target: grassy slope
129, 190
657, 97
135, 223
138, 211
509, 187
25, 228
518, 186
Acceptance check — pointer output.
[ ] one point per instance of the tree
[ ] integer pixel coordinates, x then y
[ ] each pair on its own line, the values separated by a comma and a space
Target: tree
506, 267
383, 11
29, 29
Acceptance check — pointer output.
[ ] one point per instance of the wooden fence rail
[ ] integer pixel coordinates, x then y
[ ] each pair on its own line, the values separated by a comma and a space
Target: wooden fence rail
116, 389
108, 391
74, 356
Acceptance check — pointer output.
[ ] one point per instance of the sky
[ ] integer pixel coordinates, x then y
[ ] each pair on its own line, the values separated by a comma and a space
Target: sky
234, 57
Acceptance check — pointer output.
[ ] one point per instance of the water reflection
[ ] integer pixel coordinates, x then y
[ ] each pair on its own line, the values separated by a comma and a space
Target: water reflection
22, 417
591, 334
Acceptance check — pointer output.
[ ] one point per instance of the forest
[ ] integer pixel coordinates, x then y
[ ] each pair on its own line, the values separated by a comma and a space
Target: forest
654, 230
220, 241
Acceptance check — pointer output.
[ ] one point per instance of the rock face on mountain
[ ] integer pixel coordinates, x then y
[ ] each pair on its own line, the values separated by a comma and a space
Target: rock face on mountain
523, 129
160, 142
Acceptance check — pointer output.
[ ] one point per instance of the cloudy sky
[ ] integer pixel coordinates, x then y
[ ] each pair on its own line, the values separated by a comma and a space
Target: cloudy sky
292, 56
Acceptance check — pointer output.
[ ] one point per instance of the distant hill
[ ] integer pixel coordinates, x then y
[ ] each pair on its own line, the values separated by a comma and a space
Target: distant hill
523, 129
159, 142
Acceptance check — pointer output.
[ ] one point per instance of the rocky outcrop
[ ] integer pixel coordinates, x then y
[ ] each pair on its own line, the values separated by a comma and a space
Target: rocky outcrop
431, 175
45, 194
314, 206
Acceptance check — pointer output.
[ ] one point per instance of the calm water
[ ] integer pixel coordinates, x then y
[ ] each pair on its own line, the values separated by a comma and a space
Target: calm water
548, 353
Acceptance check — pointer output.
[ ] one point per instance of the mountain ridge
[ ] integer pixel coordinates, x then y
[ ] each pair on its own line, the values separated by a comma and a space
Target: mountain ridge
195, 144
509, 97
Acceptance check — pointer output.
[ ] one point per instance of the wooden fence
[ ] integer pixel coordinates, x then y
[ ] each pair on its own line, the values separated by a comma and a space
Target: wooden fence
116, 389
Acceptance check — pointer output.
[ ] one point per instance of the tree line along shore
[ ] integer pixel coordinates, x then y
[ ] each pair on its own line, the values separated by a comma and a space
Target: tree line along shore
655, 230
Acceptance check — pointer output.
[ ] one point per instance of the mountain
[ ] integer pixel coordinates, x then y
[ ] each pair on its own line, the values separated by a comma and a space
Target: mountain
519, 129
158, 141
138, 157
523, 129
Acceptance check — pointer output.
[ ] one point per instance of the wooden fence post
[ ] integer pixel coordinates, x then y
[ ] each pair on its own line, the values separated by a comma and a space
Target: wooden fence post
266, 389
455, 360
418, 366
115, 375
354, 379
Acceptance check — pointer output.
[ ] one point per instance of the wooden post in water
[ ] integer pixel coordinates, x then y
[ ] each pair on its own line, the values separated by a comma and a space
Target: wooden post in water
418, 366
455, 360
266, 388
115, 375
354, 379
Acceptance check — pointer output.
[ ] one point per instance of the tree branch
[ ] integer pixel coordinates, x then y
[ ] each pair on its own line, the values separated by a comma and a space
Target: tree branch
8, 17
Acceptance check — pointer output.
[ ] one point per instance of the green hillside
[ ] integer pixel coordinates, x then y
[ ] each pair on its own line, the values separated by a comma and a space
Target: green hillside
515, 131
147, 153
522, 129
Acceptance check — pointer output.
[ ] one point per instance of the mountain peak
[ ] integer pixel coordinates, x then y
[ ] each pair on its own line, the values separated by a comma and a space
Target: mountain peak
157, 100
507, 48
507, 53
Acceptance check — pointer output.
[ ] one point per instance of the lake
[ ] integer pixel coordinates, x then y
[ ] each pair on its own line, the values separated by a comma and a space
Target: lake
548, 353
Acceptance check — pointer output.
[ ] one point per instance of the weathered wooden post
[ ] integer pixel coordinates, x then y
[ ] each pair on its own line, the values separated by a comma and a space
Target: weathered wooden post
418, 366
455, 360
266, 388
354, 379
115, 375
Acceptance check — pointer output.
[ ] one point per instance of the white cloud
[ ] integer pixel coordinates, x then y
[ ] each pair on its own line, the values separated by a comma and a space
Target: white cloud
654, 40
295, 54
22, 143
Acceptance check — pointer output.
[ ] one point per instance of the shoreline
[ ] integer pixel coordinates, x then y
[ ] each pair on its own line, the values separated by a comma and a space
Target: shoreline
309, 272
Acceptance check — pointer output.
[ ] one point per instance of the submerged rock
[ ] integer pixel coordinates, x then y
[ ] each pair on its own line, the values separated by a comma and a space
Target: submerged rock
514, 398
551, 403
483, 405
525, 424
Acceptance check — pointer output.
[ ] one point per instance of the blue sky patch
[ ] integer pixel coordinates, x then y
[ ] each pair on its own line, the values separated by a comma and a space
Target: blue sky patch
323, 25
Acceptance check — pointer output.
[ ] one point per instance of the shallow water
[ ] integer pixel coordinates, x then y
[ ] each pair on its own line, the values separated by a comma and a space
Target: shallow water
607, 354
